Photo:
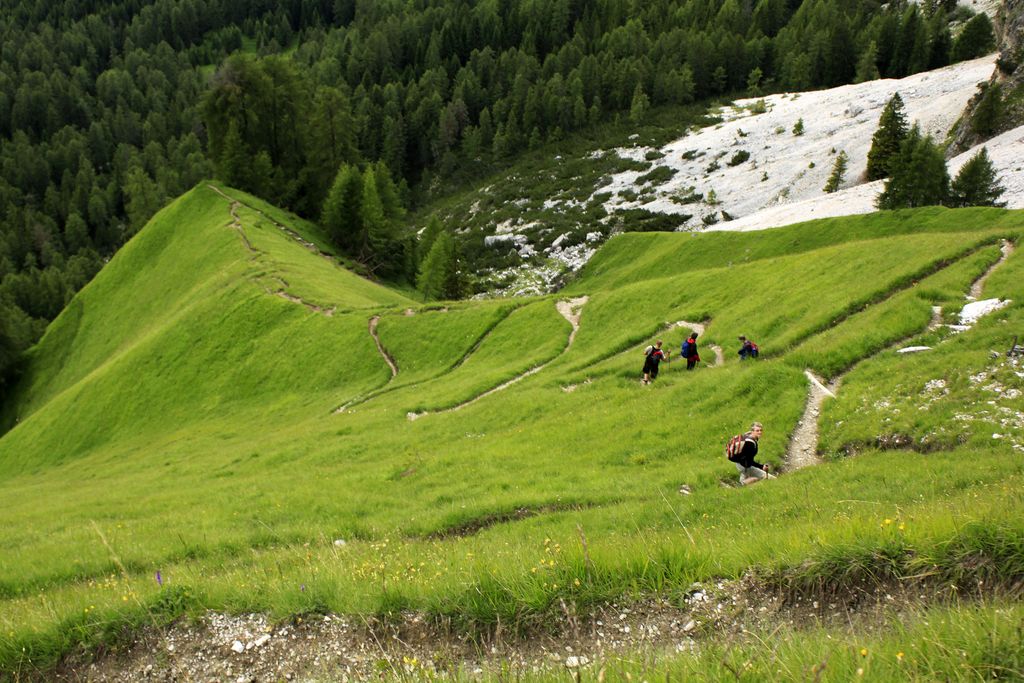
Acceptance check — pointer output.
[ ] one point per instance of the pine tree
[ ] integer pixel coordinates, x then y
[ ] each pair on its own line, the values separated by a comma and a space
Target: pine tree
429, 235
885, 145
754, 82
798, 127
234, 159
838, 171
433, 271
976, 184
975, 40
376, 227
867, 66
919, 176
989, 112
638, 110
341, 215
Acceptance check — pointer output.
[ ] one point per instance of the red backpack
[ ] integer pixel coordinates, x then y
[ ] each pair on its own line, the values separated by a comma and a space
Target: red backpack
734, 447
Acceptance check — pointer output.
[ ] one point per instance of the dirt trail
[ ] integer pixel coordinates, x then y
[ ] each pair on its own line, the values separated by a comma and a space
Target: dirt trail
571, 310
803, 445
281, 291
380, 347
979, 285
283, 228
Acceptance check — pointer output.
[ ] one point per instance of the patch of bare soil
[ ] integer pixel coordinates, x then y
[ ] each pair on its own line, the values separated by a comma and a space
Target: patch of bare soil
251, 648
803, 446
979, 285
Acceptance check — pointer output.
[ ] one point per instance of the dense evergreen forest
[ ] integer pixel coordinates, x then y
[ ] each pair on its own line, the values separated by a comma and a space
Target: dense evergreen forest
350, 109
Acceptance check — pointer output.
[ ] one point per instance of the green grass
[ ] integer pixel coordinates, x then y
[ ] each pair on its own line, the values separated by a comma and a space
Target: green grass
179, 416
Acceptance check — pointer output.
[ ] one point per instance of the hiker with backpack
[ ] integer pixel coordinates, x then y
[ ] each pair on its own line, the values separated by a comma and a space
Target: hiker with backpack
689, 351
748, 349
741, 451
653, 355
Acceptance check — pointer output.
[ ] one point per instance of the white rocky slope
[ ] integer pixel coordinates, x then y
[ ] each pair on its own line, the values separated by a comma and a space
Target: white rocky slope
782, 181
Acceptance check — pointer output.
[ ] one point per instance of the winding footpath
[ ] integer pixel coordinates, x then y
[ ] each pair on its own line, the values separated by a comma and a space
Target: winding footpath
978, 287
280, 292
803, 446
571, 310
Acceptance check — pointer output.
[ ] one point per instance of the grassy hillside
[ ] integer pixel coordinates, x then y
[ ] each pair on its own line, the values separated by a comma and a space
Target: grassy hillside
182, 417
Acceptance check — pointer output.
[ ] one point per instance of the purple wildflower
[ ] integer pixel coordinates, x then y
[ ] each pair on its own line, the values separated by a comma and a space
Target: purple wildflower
159, 579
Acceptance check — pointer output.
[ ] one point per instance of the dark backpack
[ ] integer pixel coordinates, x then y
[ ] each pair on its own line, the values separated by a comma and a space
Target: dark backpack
733, 447
687, 349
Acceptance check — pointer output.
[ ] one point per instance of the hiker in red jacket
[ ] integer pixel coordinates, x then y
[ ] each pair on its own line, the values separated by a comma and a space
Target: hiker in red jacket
689, 351
653, 355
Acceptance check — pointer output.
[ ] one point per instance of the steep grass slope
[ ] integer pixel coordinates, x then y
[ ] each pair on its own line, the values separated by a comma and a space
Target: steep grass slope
182, 417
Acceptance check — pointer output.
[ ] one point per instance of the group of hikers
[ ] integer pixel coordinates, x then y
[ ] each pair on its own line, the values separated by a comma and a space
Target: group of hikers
741, 450
654, 354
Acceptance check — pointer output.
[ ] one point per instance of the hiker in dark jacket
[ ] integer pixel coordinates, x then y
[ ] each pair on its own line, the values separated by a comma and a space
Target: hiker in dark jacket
748, 349
689, 351
653, 355
750, 470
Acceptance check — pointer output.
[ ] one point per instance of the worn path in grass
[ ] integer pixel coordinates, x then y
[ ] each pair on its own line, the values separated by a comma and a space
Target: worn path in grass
979, 285
386, 388
571, 310
380, 347
283, 228
803, 446
282, 291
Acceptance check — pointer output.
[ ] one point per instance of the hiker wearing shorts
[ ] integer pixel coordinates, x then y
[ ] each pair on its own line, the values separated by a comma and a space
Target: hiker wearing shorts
653, 356
750, 470
689, 351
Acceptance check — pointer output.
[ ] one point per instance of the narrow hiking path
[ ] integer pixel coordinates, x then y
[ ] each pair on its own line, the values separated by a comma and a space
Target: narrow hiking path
571, 310
372, 326
283, 228
380, 347
803, 445
385, 388
978, 287
281, 292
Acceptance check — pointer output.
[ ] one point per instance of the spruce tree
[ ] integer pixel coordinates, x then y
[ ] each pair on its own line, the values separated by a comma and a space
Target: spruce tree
919, 176
867, 66
838, 171
233, 165
428, 236
376, 227
433, 271
341, 216
976, 184
989, 112
885, 145
977, 39
640, 105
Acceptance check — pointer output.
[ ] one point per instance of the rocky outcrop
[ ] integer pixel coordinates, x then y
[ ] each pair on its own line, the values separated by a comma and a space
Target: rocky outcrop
1009, 77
